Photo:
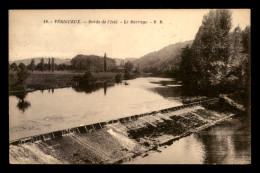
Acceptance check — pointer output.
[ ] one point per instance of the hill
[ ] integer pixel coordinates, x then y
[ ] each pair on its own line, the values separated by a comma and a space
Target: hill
37, 60
162, 60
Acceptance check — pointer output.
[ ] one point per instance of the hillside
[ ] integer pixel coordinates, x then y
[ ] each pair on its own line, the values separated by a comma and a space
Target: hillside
163, 59
37, 60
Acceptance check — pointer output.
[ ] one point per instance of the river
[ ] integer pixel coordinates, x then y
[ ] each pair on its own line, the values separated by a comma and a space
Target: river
225, 143
49, 110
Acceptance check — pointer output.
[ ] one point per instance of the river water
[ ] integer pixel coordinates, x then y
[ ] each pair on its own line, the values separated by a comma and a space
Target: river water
49, 110
225, 143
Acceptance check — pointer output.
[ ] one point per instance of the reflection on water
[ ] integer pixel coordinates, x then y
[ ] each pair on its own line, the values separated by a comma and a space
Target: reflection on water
225, 143
105, 88
92, 88
168, 92
228, 143
70, 107
22, 103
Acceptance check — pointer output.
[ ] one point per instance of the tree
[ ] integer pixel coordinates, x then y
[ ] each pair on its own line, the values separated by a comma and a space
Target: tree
91, 63
32, 65
49, 65
38, 67
236, 47
13, 66
212, 49
219, 59
45, 67
188, 71
21, 77
22, 67
105, 62
61, 67
42, 64
246, 40
128, 67
246, 73
52, 64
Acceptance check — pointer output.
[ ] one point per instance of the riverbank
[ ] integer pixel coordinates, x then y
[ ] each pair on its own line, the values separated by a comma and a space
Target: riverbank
52, 80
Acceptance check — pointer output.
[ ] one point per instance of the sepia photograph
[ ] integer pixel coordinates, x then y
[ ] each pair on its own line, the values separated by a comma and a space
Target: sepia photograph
129, 86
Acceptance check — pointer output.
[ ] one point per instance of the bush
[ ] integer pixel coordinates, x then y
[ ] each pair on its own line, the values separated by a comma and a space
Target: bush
128, 76
87, 79
118, 78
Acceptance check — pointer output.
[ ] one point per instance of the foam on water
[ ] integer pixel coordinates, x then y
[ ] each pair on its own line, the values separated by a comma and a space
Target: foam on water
30, 154
149, 120
119, 128
174, 85
163, 116
159, 119
123, 140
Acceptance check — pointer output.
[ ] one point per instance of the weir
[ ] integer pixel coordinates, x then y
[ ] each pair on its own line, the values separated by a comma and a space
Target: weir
119, 140
90, 127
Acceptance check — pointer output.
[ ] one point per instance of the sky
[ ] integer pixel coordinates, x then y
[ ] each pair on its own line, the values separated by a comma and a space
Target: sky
30, 37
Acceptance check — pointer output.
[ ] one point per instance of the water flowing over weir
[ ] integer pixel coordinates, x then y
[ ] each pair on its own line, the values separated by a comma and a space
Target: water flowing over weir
118, 140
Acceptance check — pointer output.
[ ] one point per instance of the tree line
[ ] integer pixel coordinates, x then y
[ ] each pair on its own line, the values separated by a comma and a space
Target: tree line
218, 61
93, 63
90, 63
41, 66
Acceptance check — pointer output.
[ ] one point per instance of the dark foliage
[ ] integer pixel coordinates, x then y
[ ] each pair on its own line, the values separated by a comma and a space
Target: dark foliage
218, 61
92, 63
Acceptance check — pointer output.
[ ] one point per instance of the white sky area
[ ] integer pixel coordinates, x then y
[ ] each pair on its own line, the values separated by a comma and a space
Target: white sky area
30, 37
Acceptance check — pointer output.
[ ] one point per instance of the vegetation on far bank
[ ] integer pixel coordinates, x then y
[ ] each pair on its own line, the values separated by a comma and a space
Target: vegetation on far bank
57, 79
